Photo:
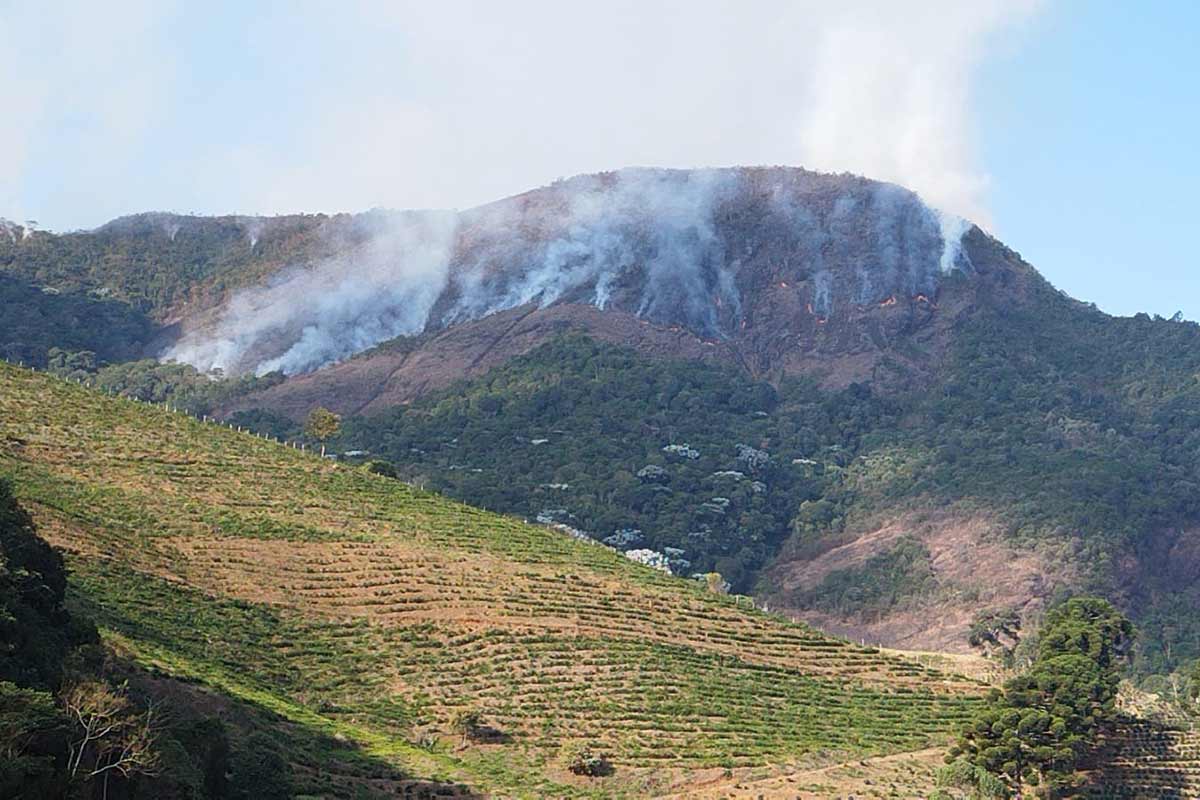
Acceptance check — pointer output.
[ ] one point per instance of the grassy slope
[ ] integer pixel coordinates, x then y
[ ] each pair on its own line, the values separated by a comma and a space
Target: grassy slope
351, 604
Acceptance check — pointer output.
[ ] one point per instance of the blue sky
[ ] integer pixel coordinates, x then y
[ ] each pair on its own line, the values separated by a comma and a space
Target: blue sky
1066, 127
1090, 130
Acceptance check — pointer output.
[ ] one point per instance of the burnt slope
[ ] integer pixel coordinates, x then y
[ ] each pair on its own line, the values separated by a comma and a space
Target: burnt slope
781, 265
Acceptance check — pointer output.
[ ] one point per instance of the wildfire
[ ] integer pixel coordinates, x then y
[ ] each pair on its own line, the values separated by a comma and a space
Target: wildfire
891, 301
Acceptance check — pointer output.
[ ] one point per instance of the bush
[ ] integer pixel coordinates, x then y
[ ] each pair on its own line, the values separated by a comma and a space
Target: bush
584, 759
978, 783
384, 468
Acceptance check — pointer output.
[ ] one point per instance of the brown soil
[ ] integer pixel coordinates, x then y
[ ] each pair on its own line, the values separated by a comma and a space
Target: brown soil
902, 775
973, 568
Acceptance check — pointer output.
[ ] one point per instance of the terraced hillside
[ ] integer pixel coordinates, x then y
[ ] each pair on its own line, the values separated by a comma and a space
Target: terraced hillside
1150, 761
351, 606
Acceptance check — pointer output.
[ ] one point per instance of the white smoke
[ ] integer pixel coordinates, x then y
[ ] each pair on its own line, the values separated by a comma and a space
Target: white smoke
512, 94
254, 229
666, 245
887, 94
952, 228
310, 316
515, 94
657, 221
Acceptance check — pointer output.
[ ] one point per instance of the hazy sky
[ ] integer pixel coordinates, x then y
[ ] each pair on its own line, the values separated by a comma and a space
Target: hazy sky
1067, 128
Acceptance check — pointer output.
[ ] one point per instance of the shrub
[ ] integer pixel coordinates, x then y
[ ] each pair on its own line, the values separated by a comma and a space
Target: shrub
584, 759
384, 468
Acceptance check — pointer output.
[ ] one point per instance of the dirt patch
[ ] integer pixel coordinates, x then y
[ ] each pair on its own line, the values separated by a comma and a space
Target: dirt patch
973, 569
903, 775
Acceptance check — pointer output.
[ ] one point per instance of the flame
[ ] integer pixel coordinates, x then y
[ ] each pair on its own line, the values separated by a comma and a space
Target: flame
783, 284
891, 301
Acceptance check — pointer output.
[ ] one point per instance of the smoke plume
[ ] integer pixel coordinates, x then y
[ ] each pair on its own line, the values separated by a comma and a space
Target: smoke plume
669, 246
312, 315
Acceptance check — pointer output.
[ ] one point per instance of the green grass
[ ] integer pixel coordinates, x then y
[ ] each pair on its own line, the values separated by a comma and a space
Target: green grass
364, 611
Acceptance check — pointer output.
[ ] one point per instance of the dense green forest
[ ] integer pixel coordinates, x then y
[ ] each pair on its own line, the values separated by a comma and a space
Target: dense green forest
37, 320
154, 262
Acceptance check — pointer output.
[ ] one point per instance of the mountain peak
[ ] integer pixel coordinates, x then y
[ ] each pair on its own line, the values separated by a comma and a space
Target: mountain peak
711, 251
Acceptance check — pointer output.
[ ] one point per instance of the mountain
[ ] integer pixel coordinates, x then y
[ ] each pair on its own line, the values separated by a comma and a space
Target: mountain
775, 269
353, 620
863, 411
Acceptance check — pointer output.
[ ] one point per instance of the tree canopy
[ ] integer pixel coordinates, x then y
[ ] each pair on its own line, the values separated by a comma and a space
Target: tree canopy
1036, 730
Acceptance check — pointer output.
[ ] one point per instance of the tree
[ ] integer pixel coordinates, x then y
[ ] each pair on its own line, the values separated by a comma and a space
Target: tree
110, 735
715, 583
33, 734
36, 632
466, 723
384, 468
584, 759
1087, 626
1035, 731
996, 631
258, 771
322, 425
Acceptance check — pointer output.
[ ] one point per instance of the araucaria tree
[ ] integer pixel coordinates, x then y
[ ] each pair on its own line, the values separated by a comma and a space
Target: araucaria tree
1035, 731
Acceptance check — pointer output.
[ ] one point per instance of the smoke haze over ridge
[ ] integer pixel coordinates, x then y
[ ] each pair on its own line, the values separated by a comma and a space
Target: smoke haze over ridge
668, 246
998, 111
